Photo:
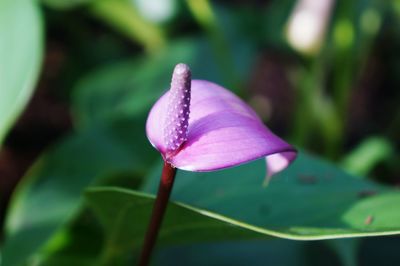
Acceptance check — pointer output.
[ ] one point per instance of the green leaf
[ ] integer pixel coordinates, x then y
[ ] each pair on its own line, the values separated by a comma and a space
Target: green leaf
66, 4
130, 88
254, 253
21, 48
311, 200
50, 194
81, 244
78, 244
367, 154
125, 214
123, 16
347, 249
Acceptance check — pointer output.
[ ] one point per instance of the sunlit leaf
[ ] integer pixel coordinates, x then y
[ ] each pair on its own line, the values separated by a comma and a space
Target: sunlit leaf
21, 48
367, 155
310, 200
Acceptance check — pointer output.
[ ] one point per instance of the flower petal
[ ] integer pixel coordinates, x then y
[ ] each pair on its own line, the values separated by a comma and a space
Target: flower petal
223, 132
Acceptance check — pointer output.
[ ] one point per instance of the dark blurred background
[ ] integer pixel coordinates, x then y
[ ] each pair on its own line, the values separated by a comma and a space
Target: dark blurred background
325, 75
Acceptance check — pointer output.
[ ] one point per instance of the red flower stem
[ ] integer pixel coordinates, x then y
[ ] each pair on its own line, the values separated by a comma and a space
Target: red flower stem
164, 191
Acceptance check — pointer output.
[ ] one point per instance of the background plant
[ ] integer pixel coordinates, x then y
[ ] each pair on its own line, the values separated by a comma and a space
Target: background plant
97, 66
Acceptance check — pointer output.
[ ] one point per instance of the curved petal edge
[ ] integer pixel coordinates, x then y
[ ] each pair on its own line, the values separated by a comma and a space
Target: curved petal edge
223, 132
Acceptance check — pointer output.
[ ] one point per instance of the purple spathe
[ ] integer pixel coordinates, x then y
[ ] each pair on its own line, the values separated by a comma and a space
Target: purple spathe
223, 131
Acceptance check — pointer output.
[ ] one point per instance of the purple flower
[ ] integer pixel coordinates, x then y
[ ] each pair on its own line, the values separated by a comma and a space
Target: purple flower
200, 126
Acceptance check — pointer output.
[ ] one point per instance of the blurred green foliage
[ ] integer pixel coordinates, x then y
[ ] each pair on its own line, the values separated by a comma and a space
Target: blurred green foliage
117, 60
20, 55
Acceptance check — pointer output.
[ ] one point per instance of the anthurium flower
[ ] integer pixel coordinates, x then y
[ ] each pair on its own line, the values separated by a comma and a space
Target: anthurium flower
200, 126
